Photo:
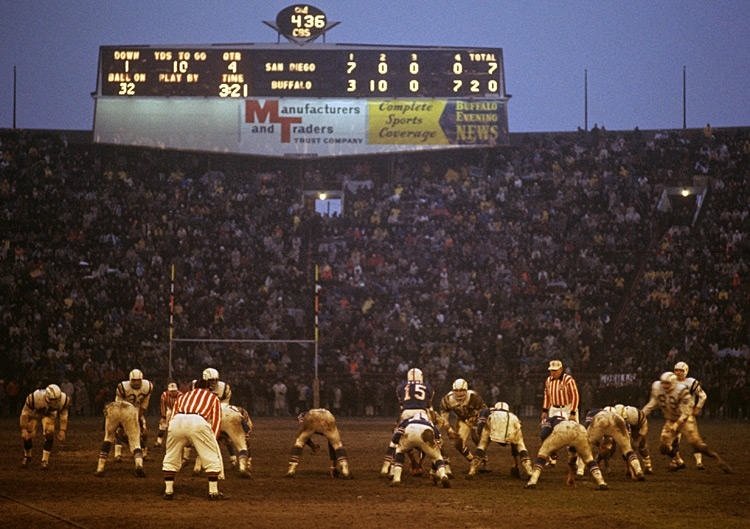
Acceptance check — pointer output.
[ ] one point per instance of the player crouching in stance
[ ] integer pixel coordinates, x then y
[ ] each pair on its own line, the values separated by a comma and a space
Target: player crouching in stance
322, 422
418, 432
500, 425
120, 422
606, 429
676, 405
235, 431
557, 433
43, 405
637, 424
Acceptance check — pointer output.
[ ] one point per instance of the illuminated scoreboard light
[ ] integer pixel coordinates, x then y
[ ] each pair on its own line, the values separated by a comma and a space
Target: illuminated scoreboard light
331, 71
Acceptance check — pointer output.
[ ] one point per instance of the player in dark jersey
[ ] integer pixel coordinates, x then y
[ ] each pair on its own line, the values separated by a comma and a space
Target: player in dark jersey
414, 396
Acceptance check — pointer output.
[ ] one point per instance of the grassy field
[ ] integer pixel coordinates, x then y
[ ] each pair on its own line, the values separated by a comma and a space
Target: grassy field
68, 494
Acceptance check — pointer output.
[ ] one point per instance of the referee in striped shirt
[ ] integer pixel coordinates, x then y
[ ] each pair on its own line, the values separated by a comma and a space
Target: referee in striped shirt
195, 419
560, 394
561, 399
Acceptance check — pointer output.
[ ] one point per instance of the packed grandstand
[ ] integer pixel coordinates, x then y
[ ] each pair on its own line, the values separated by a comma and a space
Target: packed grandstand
480, 264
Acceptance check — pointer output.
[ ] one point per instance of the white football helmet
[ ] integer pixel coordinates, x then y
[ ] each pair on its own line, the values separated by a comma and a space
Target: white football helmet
136, 374
460, 384
668, 380
414, 375
210, 374
681, 366
52, 392
501, 406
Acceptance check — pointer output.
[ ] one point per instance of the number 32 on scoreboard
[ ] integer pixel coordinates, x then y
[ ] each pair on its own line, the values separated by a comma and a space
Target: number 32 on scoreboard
126, 89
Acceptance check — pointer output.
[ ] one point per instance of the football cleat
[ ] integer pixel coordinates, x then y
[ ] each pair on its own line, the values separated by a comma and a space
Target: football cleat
139, 472
217, 496
602, 486
674, 467
168, 496
44, 465
25, 462
445, 481
726, 468
530, 486
699, 466
99, 474
118, 459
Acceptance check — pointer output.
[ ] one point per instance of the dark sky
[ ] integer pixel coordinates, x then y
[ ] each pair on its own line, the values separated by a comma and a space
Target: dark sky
634, 52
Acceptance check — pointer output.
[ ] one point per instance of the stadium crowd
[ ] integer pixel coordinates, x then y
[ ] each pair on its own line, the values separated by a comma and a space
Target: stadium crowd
481, 265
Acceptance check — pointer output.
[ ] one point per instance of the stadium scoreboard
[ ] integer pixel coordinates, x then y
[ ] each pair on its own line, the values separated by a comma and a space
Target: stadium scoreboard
336, 71
300, 98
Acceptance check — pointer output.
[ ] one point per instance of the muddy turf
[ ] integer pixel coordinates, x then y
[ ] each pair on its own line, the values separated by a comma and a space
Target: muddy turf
68, 494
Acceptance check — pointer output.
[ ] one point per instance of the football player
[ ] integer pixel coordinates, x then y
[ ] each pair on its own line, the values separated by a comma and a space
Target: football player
320, 421
414, 396
137, 391
556, 433
45, 405
607, 429
638, 427
224, 391
502, 426
465, 404
120, 421
676, 404
220, 388
419, 433
699, 400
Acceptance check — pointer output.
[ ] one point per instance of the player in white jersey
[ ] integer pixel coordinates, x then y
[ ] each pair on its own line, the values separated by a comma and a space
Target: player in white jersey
502, 426
219, 388
465, 404
224, 391
121, 420
699, 400
137, 391
419, 433
44, 405
556, 433
638, 427
676, 404
322, 422
606, 430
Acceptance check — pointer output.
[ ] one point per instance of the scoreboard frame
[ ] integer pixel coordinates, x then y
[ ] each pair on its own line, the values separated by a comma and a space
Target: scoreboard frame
287, 70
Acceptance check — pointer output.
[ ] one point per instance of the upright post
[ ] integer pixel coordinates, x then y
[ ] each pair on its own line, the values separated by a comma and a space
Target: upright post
316, 381
171, 320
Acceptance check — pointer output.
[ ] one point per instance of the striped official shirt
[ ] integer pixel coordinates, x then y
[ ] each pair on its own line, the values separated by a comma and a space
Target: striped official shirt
202, 402
561, 391
167, 401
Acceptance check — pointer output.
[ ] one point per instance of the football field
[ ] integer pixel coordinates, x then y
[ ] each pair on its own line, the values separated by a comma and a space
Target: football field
68, 494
